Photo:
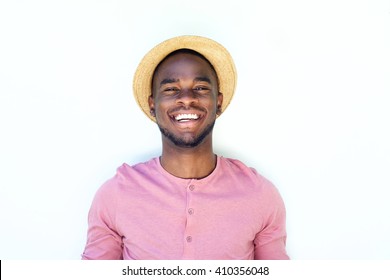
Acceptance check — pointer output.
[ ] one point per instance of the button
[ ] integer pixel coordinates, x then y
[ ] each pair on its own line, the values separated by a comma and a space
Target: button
192, 187
189, 238
190, 211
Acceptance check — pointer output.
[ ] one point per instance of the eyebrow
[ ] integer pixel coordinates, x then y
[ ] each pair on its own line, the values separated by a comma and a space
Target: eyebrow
202, 79
197, 79
168, 81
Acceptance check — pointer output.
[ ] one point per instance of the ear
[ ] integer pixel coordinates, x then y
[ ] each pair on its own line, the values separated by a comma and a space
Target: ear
219, 103
151, 105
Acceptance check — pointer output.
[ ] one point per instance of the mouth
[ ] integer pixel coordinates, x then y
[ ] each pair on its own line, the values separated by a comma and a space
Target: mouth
186, 117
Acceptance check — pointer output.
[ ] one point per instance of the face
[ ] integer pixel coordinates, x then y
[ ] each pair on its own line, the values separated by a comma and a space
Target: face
185, 100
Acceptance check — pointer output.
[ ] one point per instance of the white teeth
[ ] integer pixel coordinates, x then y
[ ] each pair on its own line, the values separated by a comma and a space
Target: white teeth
186, 117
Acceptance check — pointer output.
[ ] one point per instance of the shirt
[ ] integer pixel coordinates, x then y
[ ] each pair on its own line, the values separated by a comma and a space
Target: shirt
144, 212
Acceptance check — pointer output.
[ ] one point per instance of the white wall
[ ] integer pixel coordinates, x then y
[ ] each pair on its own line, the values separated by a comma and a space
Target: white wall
311, 113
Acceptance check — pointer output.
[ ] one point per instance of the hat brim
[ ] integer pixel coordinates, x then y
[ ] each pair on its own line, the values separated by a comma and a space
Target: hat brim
218, 56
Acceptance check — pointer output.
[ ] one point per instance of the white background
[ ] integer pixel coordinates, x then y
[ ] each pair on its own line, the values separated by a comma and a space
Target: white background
311, 113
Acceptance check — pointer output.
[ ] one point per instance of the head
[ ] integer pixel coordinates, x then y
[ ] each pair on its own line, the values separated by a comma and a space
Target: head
185, 99
212, 51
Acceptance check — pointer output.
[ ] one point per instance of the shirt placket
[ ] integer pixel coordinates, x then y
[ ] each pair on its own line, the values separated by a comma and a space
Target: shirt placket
189, 238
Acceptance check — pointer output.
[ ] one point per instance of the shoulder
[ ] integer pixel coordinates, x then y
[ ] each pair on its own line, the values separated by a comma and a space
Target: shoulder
261, 195
236, 165
127, 176
238, 168
248, 175
126, 171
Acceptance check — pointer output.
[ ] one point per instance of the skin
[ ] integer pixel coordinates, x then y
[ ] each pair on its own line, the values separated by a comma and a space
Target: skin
186, 84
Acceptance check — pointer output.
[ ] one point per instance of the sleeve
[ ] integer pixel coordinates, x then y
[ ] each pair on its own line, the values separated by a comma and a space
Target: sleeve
103, 240
270, 242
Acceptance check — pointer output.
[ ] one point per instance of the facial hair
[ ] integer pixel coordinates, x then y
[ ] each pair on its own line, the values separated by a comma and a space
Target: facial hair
190, 143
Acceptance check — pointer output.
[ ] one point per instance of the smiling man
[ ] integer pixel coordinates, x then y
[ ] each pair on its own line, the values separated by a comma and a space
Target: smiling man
189, 203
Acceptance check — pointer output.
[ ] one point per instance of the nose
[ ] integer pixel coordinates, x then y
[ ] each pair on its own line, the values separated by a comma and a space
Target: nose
187, 96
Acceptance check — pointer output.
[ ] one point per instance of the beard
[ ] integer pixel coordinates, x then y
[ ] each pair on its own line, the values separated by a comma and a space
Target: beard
187, 142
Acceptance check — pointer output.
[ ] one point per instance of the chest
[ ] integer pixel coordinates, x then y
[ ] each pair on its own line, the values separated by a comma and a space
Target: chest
191, 223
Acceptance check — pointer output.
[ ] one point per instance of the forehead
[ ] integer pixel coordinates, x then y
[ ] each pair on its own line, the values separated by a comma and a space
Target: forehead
182, 63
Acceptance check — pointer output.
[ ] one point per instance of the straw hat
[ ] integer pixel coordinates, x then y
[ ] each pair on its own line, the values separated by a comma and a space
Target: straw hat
218, 56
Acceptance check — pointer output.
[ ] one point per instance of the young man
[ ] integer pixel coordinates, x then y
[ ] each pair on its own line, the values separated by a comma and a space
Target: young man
188, 203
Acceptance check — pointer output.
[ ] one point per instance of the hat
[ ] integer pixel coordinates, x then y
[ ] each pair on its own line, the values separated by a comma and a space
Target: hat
217, 55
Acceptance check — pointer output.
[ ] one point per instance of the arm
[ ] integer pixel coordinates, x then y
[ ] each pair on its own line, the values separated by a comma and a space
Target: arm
270, 242
103, 241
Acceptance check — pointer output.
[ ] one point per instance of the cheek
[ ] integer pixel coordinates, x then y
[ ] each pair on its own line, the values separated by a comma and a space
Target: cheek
160, 109
213, 103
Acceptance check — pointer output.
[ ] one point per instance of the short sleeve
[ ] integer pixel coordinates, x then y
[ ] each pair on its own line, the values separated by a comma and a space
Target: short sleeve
270, 242
103, 240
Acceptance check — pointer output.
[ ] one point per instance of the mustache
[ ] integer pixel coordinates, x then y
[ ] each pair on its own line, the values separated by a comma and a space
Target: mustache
187, 108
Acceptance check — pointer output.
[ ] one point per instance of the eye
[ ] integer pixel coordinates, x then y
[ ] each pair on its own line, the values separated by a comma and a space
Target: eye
201, 88
171, 90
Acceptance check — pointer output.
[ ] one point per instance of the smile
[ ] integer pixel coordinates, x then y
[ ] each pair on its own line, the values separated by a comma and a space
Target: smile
186, 117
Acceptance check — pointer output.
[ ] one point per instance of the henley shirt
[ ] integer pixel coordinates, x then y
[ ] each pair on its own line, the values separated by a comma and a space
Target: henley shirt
146, 213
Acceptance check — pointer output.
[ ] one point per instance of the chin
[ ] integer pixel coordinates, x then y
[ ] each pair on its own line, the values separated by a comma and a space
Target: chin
187, 142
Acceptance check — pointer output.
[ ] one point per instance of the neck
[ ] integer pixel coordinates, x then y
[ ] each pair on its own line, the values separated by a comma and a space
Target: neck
194, 163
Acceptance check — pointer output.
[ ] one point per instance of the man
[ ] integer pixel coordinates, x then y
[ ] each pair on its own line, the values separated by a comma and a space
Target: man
189, 203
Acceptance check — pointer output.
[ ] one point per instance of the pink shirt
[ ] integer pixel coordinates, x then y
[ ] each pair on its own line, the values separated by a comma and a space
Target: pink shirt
144, 212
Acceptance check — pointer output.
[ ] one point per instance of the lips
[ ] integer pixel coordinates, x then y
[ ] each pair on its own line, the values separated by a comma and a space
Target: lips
181, 115
186, 117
